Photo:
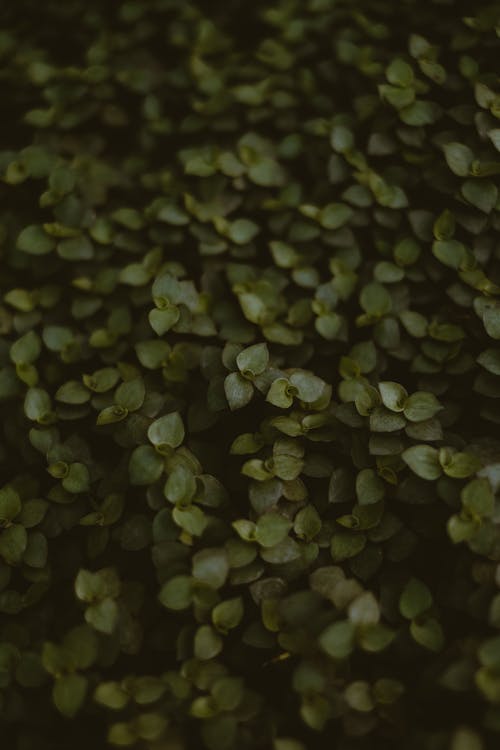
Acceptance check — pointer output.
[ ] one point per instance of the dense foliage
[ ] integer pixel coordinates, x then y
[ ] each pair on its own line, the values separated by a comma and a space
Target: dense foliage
249, 375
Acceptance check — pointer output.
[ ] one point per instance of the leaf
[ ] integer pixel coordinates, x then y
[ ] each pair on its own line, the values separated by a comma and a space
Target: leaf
207, 643
103, 616
482, 194
10, 504
228, 614
271, 529
421, 406
163, 320
111, 695
335, 215
167, 430
211, 566
370, 488
242, 231
13, 543
415, 599
37, 405
428, 634
238, 390
461, 465
191, 519
423, 461
393, 395
34, 241
130, 395
26, 350
399, 73
309, 387
253, 360
459, 158
478, 497
491, 320
337, 640
177, 593
145, 465
69, 694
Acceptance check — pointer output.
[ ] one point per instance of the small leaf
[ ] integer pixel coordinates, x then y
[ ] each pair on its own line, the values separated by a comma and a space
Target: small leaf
423, 461
177, 593
415, 599
69, 694
393, 395
253, 360
238, 390
421, 406
211, 566
228, 614
35, 241
271, 529
167, 430
370, 488
338, 639
459, 158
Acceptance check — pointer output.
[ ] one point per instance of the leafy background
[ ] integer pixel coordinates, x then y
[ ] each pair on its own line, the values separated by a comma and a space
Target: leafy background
249, 375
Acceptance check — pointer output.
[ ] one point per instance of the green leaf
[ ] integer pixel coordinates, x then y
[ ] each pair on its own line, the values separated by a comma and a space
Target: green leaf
478, 497
415, 599
491, 320
112, 695
461, 465
370, 488
191, 519
399, 73
207, 643
26, 349
238, 390
421, 406
423, 461
337, 640
72, 392
242, 231
341, 139
177, 593
77, 479
145, 465
253, 360
271, 529
103, 616
10, 504
34, 241
163, 320
393, 395
13, 543
428, 634
307, 523
281, 393
335, 215
69, 694
375, 299
211, 566
111, 414
459, 158
482, 194
167, 430
308, 386
37, 405
130, 395
76, 248
228, 614
152, 354
449, 252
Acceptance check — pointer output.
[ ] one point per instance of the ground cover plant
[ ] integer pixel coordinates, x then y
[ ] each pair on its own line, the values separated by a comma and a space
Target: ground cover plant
249, 375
